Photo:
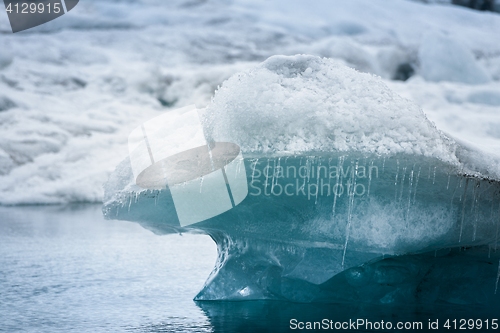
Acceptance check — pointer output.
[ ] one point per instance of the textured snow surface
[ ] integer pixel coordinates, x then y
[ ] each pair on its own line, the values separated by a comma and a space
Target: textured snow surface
71, 90
299, 104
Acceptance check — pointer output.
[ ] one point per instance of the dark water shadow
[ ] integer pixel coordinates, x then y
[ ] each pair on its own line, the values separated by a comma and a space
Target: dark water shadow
278, 316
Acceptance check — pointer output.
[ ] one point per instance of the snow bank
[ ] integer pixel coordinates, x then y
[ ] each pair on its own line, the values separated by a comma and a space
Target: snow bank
444, 59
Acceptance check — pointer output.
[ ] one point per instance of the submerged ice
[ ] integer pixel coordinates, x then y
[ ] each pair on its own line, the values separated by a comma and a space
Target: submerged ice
353, 195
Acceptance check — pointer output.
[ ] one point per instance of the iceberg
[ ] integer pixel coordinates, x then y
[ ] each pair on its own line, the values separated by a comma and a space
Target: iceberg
352, 194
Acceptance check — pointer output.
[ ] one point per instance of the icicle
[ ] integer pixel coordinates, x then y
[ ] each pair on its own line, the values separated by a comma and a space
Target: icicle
402, 184
463, 210
266, 173
498, 228
416, 185
237, 170
383, 165
253, 170
318, 172
349, 210
454, 192
370, 177
498, 278
396, 181
201, 183
448, 183
129, 202
434, 176
329, 178
474, 208
274, 175
340, 167
304, 184
409, 197
308, 167
211, 158
240, 163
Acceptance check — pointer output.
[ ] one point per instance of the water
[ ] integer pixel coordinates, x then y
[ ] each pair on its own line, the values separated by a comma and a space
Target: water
65, 269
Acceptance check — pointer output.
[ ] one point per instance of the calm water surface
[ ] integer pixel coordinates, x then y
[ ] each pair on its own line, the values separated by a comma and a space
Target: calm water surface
66, 269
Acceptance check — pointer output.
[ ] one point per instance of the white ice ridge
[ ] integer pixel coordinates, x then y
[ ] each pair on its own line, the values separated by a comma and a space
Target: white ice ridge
306, 104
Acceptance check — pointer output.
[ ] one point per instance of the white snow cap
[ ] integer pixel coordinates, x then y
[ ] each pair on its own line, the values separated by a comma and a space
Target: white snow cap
302, 103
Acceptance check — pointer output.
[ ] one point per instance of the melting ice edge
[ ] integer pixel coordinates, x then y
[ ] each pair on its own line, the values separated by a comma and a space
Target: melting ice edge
342, 227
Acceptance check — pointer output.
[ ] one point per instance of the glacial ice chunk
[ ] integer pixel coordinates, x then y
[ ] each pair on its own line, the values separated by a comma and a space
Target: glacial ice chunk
352, 193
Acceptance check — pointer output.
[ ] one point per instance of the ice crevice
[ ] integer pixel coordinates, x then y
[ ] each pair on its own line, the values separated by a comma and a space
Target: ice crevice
353, 194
